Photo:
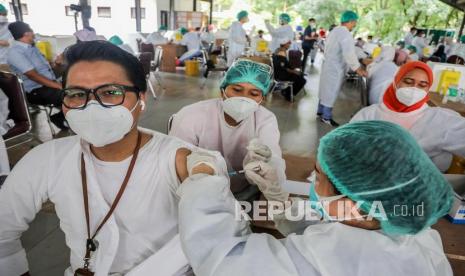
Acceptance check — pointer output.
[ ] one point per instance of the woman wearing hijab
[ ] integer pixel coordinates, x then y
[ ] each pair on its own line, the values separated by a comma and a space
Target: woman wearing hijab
439, 131
381, 73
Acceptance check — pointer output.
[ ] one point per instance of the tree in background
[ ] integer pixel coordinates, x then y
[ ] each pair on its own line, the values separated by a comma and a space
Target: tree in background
385, 19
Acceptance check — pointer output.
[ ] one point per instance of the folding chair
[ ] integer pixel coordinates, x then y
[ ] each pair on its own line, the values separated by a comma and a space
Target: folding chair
145, 59
19, 113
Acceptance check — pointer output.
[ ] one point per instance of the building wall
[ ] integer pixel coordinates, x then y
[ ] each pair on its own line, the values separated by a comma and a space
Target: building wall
51, 19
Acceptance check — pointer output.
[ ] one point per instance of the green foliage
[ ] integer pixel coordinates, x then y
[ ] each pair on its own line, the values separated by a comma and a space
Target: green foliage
386, 19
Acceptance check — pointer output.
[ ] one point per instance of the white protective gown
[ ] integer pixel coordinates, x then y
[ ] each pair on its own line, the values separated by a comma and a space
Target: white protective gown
145, 220
381, 74
339, 56
202, 124
192, 41
419, 43
439, 131
458, 49
216, 243
237, 40
408, 39
5, 35
156, 38
4, 164
277, 34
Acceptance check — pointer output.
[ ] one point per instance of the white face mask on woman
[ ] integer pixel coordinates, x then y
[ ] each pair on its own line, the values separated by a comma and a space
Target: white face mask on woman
410, 95
239, 108
99, 125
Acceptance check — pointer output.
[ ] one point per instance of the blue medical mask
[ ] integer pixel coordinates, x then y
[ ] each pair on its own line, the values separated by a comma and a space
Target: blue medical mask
318, 203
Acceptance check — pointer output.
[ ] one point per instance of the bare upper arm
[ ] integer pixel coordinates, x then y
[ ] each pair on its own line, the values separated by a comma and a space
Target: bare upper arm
181, 163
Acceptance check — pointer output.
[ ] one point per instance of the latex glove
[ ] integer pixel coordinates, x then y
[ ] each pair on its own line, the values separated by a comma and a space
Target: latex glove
256, 151
196, 159
266, 178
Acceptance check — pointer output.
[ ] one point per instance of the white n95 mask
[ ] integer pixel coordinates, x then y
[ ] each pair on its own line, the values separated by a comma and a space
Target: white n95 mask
3, 19
410, 95
100, 125
239, 108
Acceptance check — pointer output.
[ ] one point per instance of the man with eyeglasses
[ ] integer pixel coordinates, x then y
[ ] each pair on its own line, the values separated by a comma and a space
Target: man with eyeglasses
40, 83
113, 185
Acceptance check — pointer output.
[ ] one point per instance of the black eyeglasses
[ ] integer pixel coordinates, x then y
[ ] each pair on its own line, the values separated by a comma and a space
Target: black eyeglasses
107, 95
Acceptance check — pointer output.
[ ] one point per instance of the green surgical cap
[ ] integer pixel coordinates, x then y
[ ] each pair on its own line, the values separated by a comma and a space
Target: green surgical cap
3, 9
163, 28
378, 162
412, 48
183, 30
116, 40
285, 17
241, 15
348, 16
242, 70
462, 39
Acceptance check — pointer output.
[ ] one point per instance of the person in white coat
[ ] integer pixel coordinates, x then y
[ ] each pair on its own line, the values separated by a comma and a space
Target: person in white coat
236, 125
408, 39
420, 43
351, 226
4, 127
158, 37
5, 38
284, 31
339, 57
439, 131
381, 73
237, 37
104, 95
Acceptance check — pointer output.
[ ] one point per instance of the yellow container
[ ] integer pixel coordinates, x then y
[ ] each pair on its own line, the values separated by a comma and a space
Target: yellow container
262, 46
448, 77
192, 68
46, 49
376, 52
178, 36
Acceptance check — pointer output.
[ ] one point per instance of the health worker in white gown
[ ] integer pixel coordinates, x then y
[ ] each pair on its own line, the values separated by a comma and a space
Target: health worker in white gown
351, 226
439, 131
236, 124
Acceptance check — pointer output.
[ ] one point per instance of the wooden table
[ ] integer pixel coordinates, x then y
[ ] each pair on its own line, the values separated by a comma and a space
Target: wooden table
435, 99
170, 52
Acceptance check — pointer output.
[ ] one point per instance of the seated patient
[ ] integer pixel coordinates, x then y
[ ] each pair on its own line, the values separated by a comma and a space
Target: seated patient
84, 175
237, 126
374, 168
439, 131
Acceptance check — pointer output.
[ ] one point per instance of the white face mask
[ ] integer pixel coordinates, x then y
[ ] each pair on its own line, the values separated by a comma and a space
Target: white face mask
239, 108
3, 19
410, 95
100, 125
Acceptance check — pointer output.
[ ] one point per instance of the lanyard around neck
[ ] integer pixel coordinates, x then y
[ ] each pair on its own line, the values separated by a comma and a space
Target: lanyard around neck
90, 243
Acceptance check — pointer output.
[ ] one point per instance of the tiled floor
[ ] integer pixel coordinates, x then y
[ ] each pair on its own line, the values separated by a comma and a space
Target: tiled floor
300, 132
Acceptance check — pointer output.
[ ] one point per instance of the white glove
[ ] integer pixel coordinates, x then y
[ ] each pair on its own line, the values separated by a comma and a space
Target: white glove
256, 151
266, 178
200, 157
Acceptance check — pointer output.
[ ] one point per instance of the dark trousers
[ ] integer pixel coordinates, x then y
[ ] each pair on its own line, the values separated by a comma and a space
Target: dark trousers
298, 83
306, 53
48, 96
45, 96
